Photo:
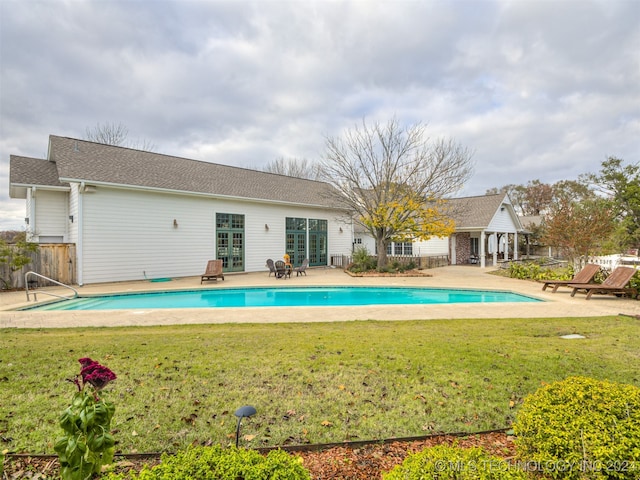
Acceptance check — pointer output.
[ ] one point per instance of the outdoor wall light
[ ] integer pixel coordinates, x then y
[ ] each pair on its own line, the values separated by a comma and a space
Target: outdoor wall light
175, 223
242, 412
340, 229
71, 218
266, 227
26, 220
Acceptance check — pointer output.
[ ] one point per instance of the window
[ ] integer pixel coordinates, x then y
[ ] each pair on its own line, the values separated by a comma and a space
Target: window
475, 244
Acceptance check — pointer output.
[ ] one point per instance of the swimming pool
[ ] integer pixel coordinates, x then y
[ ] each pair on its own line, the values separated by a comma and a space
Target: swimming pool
285, 297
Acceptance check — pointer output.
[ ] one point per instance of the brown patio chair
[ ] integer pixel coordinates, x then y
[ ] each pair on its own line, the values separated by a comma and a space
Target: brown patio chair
302, 268
213, 271
583, 276
615, 283
272, 267
281, 270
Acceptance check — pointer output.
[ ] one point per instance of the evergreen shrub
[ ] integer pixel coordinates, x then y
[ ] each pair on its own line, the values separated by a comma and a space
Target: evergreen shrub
216, 463
445, 462
581, 428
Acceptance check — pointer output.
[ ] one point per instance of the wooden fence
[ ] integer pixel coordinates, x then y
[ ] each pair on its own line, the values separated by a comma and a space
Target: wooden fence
53, 260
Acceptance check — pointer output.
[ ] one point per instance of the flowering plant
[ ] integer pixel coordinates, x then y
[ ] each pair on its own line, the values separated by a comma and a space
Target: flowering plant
87, 443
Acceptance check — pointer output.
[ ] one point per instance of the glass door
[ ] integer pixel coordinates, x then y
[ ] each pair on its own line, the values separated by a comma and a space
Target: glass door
230, 241
296, 240
317, 242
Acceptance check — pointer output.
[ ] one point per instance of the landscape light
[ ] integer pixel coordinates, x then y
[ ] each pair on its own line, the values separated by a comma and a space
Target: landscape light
242, 412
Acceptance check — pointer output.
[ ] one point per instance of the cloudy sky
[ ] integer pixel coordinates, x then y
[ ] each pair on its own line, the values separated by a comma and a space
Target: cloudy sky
538, 89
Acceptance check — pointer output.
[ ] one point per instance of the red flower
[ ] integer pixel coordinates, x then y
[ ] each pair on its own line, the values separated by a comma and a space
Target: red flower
95, 374
86, 361
99, 377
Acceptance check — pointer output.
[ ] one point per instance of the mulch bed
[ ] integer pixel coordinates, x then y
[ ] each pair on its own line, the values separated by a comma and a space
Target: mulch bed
364, 462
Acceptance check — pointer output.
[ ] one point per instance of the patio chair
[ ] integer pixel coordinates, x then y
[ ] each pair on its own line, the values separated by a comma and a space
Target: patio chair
583, 276
302, 268
615, 283
213, 271
281, 270
272, 267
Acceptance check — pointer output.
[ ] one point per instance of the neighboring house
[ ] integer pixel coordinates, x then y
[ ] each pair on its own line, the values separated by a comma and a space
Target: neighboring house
487, 228
135, 214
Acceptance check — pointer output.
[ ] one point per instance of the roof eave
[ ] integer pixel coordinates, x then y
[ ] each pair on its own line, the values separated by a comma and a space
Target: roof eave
19, 190
190, 193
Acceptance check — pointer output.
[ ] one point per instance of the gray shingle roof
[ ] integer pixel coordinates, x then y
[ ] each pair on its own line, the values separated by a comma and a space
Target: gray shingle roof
81, 160
475, 212
26, 171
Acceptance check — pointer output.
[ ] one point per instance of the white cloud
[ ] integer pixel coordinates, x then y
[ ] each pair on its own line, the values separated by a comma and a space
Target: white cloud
537, 89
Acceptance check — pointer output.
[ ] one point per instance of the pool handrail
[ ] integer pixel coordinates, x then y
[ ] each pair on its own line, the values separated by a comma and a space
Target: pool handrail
35, 295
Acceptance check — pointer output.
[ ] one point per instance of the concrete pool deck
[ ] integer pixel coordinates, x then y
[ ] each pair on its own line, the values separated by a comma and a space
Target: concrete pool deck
559, 304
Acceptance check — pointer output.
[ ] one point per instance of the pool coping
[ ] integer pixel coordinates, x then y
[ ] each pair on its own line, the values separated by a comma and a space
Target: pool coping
37, 306
559, 304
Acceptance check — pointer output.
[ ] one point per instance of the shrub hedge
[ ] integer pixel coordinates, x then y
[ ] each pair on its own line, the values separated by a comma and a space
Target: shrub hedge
581, 428
217, 463
444, 462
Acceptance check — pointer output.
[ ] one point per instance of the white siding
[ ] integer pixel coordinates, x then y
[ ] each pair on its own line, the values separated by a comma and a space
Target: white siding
73, 210
129, 234
30, 216
433, 247
502, 221
51, 214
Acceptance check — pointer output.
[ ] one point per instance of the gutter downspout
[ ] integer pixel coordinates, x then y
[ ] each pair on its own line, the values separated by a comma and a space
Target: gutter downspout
32, 214
79, 240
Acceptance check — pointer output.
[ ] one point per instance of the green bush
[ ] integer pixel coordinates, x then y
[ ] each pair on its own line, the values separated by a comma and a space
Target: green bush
362, 261
444, 462
581, 428
216, 463
534, 271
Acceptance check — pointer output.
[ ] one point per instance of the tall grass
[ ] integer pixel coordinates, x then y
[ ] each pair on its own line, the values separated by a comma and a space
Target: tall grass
311, 383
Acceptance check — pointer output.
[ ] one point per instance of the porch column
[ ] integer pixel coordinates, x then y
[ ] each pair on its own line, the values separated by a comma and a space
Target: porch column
494, 235
515, 245
483, 238
452, 246
505, 255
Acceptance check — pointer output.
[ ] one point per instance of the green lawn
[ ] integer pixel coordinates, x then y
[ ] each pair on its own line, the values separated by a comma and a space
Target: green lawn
311, 383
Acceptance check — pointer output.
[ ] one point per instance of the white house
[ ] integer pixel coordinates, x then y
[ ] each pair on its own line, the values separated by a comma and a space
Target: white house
135, 214
487, 228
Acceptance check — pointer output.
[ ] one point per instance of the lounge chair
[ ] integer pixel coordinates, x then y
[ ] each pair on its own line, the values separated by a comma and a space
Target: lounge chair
281, 270
272, 267
615, 283
213, 271
583, 276
302, 268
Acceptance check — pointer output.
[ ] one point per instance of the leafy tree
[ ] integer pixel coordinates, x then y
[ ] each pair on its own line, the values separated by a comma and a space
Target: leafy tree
579, 227
394, 179
531, 199
15, 256
115, 134
621, 184
294, 167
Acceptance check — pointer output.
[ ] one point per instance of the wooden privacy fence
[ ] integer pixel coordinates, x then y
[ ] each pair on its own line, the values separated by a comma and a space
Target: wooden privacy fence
54, 260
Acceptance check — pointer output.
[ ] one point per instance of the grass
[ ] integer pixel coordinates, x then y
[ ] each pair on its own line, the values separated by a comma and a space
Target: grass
311, 383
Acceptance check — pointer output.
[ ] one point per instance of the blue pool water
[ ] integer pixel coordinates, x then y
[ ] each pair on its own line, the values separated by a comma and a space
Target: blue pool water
286, 297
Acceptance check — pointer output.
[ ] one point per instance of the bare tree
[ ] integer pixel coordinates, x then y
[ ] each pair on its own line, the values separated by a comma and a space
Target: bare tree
294, 167
116, 134
395, 180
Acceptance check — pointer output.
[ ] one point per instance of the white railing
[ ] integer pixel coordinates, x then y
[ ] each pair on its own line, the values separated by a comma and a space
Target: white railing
610, 262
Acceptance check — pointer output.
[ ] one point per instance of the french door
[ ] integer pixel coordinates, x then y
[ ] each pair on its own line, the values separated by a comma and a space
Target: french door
230, 241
